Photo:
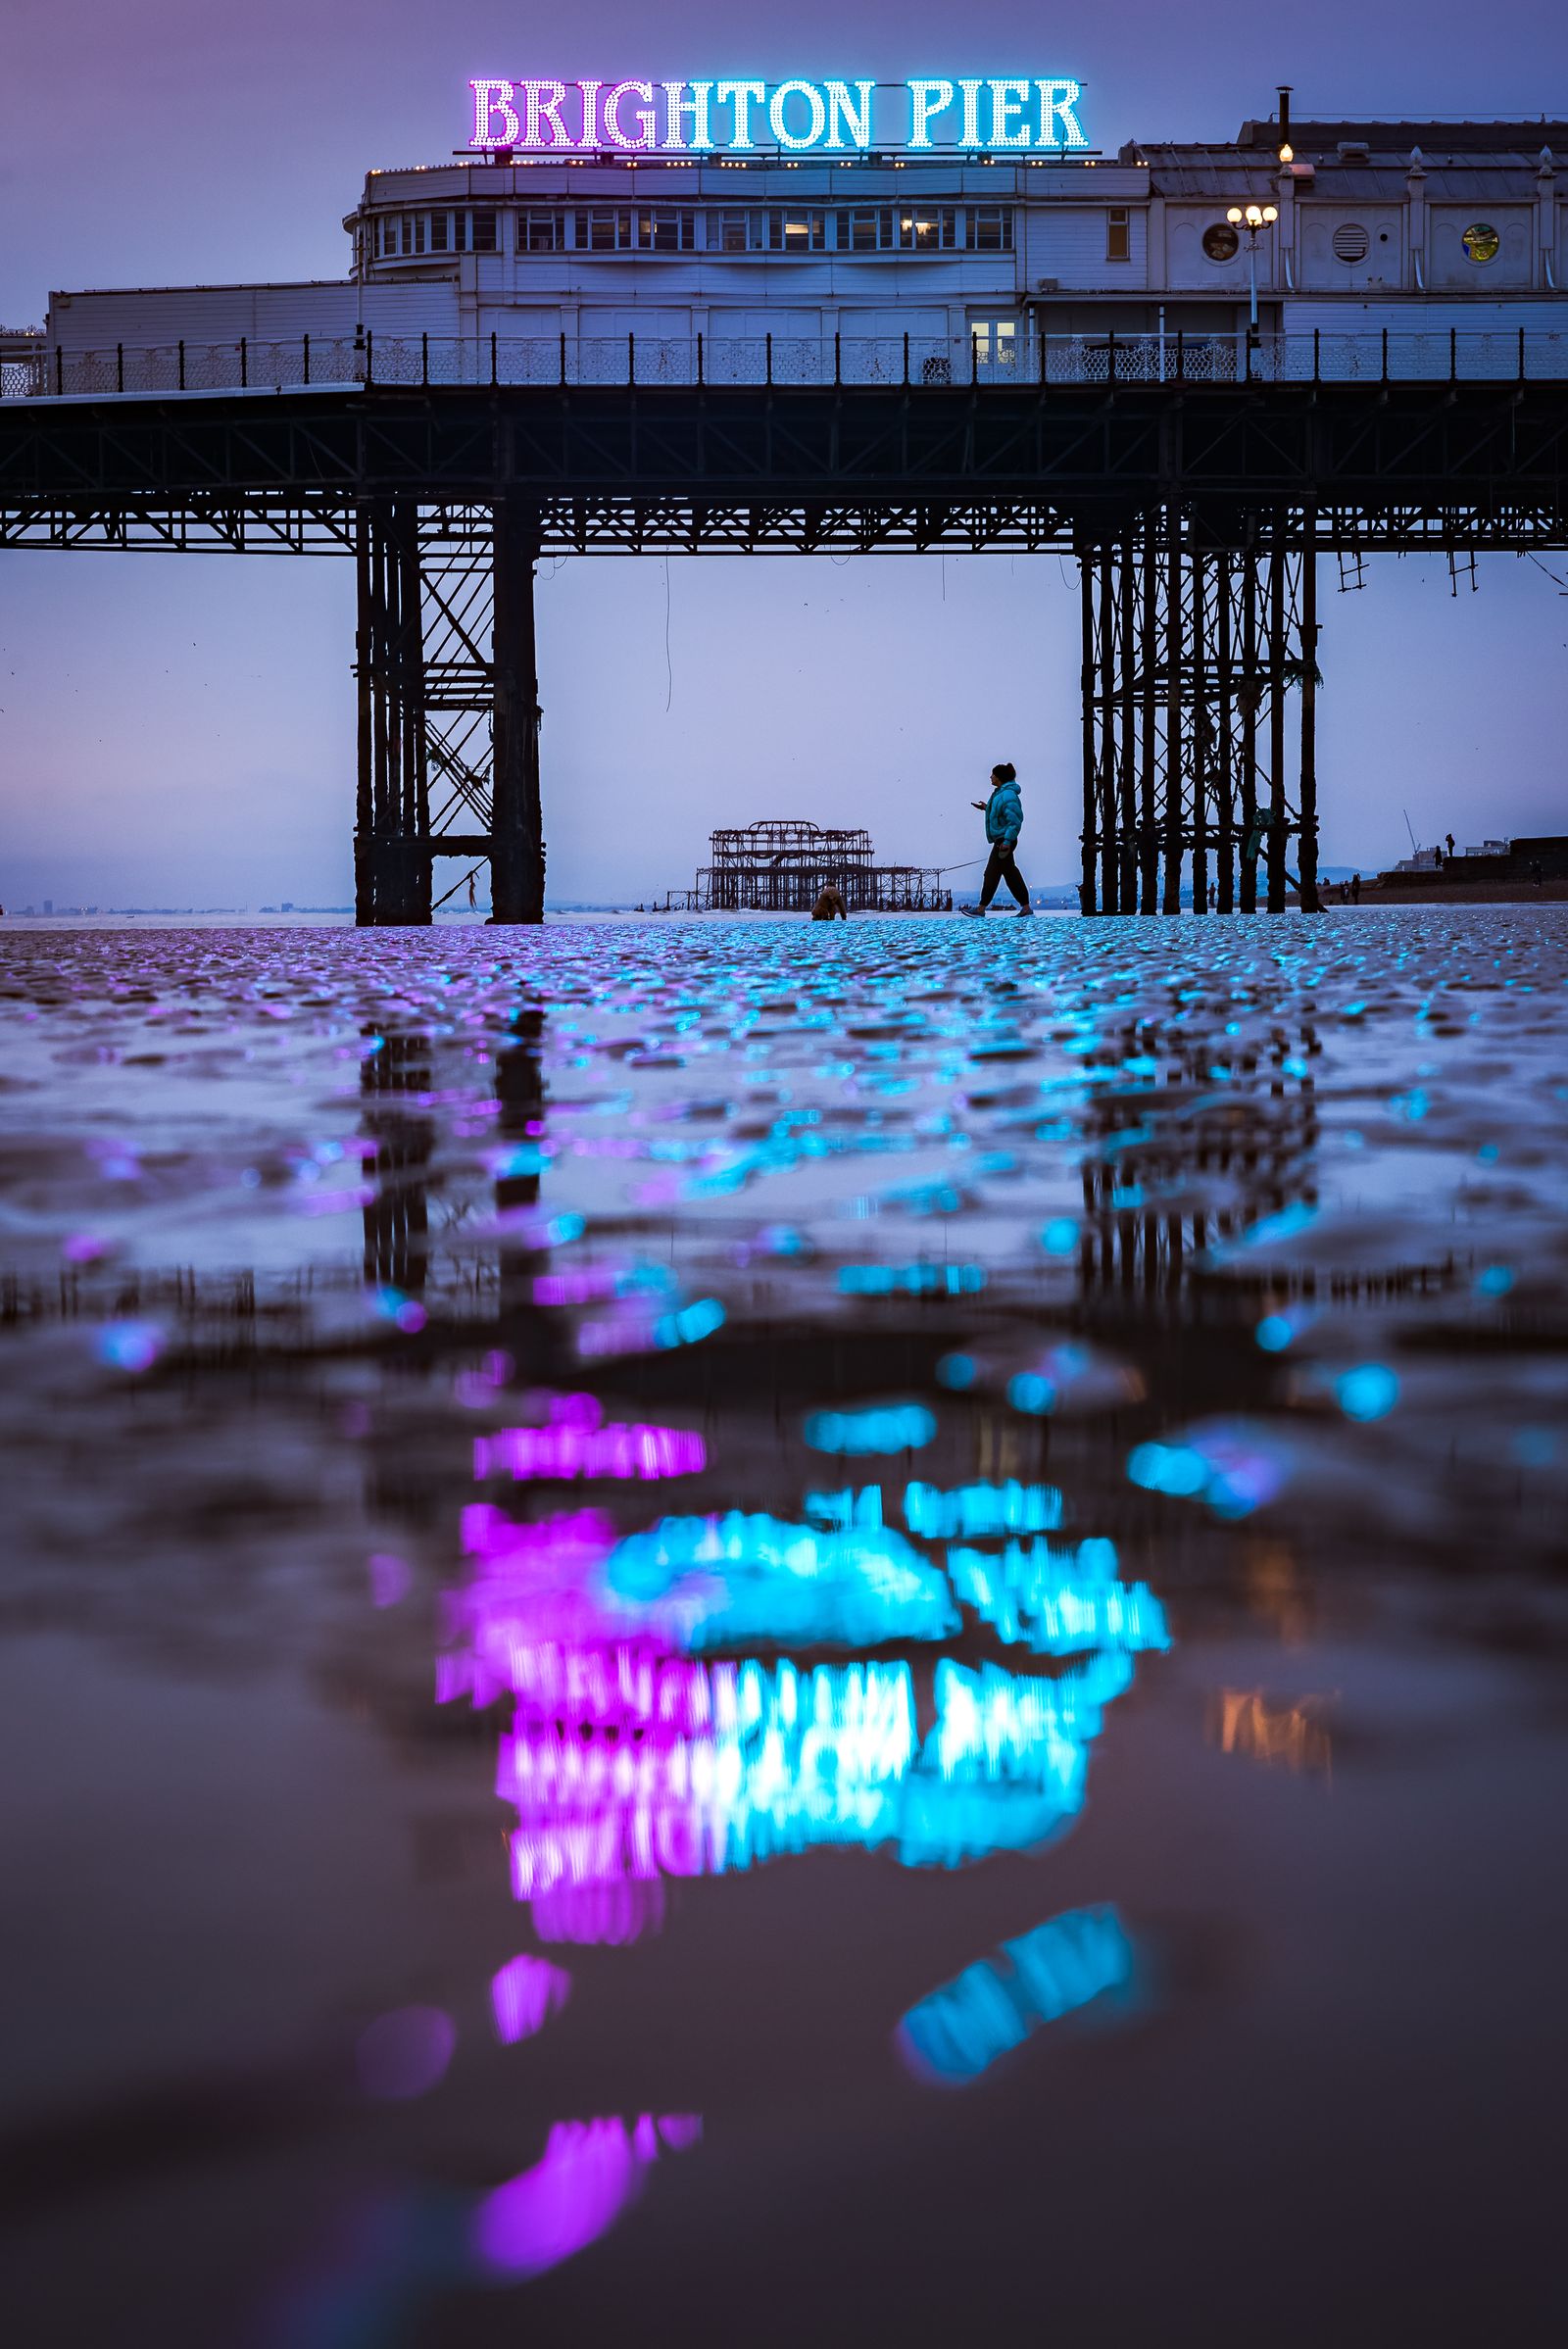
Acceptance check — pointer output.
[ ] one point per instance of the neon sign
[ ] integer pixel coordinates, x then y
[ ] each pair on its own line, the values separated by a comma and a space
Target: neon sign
1012, 114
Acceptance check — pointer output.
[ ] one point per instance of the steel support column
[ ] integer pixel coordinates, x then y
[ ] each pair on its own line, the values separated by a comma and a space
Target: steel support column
1088, 687
1190, 655
1308, 793
517, 852
392, 820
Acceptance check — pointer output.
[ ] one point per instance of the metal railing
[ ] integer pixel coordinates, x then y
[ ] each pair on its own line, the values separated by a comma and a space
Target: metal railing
922, 361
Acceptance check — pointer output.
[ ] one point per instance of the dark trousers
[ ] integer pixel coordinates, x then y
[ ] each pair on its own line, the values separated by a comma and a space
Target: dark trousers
999, 867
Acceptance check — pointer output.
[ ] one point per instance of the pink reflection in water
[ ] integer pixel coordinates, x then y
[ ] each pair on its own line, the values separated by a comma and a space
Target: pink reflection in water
590, 2171
624, 1451
607, 1916
525, 1995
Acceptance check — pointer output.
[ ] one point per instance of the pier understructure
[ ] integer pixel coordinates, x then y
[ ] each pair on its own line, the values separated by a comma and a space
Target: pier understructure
1199, 730
1199, 722
1196, 512
449, 716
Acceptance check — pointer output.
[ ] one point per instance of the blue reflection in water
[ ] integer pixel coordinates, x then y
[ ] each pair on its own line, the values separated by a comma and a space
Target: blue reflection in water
977, 1511
960, 2030
738, 1578
1057, 1604
878, 1428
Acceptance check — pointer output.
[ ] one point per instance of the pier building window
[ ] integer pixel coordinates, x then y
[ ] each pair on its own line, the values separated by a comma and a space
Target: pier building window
731, 232
411, 235
989, 229
889, 228
541, 232
604, 232
802, 230
1118, 233
932, 230
996, 345
667, 231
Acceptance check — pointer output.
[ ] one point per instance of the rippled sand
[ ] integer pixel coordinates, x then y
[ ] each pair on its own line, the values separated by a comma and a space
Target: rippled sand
847, 1634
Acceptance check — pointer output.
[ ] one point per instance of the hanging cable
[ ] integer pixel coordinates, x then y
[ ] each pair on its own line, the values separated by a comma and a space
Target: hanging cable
669, 673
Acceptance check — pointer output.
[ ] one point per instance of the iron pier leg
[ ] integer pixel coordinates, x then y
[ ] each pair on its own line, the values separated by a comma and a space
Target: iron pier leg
391, 847
1225, 772
1307, 866
1172, 899
365, 776
1203, 761
1085, 583
1277, 837
1127, 639
516, 821
1148, 675
1106, 702
1250, 695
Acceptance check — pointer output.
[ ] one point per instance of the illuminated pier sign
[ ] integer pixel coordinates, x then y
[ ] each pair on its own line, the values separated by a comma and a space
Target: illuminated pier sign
1014, 114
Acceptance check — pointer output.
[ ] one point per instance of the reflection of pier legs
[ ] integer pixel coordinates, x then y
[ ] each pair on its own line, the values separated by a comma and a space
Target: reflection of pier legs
1190, 656
448, 708
397, 1219
517, 850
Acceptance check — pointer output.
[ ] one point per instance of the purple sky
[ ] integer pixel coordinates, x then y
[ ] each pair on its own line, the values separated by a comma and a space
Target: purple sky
178, 729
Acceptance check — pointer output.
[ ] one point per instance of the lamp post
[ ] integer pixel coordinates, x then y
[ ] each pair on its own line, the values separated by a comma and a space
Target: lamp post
1253, 218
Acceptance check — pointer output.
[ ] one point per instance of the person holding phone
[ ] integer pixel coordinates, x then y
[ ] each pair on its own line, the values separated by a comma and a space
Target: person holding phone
1003, 814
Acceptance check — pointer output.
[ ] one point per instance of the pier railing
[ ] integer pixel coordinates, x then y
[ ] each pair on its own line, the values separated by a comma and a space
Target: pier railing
922, 361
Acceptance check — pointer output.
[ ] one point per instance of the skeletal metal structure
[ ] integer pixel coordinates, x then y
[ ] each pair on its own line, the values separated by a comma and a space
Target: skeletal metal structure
783, 863
448, 708
1196, 507
1200, 721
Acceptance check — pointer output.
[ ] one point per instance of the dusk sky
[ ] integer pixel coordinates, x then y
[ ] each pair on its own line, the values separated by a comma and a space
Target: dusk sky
178, 730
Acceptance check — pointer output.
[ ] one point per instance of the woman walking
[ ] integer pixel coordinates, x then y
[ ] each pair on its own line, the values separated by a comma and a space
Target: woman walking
1003, 814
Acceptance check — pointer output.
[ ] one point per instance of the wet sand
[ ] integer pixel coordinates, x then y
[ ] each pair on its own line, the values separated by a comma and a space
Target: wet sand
769, 1633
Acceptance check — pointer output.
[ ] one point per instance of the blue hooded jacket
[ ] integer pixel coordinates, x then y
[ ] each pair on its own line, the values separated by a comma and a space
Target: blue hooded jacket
1005, 815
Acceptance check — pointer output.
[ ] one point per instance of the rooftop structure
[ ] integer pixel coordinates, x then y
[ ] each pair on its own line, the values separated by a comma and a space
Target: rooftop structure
981, 258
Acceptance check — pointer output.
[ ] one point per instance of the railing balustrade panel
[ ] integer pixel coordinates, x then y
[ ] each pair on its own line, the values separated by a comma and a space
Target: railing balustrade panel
932, 363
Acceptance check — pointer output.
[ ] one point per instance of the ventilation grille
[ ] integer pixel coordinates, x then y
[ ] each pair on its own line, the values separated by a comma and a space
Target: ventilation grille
1350, 242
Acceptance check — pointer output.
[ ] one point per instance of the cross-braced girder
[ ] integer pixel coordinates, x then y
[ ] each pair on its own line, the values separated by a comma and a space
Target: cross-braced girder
449, 711
1200, 686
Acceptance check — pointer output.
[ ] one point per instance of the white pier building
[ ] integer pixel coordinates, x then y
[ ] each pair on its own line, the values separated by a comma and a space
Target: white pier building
986, 258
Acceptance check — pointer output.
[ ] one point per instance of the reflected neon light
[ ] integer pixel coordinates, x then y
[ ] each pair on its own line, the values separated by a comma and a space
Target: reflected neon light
794, 1760
525, 1995
961, 2030
1057, 1604
619, 1452
591, 2169
739, 1578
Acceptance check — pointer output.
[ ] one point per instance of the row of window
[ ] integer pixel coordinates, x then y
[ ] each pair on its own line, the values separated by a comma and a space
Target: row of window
401, 235
659, 229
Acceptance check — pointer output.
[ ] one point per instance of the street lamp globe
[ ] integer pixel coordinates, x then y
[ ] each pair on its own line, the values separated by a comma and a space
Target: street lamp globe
1255, 219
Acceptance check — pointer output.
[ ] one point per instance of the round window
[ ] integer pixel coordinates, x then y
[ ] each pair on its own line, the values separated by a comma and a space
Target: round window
1350, 242
1482, 242
1221, 241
